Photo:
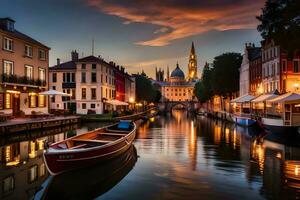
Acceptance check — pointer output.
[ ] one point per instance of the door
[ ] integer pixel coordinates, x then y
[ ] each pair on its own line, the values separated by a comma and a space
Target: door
16, 104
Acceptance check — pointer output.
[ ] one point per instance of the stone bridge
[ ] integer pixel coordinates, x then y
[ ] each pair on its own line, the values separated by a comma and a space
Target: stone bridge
169, 105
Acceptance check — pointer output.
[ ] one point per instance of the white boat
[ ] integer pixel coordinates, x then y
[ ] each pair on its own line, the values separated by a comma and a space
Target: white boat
284, 115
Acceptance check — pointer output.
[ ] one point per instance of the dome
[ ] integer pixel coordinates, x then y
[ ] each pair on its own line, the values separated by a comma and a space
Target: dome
177, 73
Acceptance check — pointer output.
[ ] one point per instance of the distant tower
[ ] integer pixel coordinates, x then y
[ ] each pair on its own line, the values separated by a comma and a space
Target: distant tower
168, 74
159, 74
192, 67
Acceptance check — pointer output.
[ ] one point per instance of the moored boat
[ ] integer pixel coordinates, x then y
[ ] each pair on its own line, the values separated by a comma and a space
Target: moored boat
243, 120
283, 114
89, 148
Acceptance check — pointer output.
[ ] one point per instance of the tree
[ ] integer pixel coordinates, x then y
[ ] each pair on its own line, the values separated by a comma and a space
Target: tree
202, 88
144, 89
280, 20
157, 96
225, 74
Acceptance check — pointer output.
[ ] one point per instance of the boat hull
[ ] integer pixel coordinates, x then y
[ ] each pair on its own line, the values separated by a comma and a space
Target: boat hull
60, 162
243, 121
285, 130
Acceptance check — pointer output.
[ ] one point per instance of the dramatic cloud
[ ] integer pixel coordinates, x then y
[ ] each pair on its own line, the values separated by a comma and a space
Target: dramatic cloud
182, 18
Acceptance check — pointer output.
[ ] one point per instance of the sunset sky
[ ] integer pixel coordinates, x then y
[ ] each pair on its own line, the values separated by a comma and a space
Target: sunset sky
138, 34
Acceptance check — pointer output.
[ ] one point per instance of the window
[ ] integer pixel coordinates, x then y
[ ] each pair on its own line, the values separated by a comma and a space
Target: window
7, 101
73, 78
296, 66
8, 184
32, 100
94, 66
93, 92
42, 74
42, 169
54, 77
42, 54
68, 77
42, 101
33, 174
284, 65
8, 68
8, 44
93, 105
28, 51
83, 66
83, 93
84, 106
29, 72
94, 77
83, 77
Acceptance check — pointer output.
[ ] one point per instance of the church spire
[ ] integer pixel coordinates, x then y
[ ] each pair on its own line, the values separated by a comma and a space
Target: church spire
192, 67
193, 48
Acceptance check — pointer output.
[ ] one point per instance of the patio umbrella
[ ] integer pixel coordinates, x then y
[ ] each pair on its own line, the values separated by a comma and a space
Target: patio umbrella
53, 92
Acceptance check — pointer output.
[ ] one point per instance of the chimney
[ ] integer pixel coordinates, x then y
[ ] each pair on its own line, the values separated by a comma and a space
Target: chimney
58, 61
74, 55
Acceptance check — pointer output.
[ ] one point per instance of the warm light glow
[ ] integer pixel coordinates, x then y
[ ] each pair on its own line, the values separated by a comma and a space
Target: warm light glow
131, 100
13, 91
32, 152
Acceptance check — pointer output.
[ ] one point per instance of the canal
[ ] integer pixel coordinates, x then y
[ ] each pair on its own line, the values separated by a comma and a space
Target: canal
176, 156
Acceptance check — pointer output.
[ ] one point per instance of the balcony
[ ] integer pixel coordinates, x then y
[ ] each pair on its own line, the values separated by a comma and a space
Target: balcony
68, 85
22, 80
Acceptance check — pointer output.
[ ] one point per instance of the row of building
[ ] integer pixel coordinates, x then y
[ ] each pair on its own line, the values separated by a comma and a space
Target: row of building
267, 68
25, 73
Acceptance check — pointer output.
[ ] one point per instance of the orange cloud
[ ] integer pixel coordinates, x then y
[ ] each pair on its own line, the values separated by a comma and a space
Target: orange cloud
181, 18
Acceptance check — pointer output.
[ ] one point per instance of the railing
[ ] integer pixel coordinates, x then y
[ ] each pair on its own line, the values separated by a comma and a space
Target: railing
22, 80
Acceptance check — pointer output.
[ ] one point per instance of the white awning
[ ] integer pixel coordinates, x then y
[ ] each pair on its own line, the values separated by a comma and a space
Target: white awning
53, 92
264, 97
116, 102
243, 99
286, 98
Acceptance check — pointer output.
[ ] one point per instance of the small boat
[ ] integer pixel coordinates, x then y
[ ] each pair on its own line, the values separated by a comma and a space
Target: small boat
97, 179
89, 148
243, 120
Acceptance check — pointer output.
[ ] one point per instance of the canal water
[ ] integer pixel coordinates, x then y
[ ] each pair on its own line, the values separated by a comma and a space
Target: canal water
176, 156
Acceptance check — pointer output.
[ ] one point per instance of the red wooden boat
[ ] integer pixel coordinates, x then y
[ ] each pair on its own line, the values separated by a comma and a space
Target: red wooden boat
89, 148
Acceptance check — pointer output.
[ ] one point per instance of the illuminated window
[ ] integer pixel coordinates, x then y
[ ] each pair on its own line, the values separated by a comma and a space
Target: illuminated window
33, 174
42, 101
32, 101
42, 74
42, 169
29, 72
7, 101
8, 67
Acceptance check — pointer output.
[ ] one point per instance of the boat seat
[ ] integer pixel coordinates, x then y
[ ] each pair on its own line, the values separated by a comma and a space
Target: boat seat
78, 146
96, 141
113, 134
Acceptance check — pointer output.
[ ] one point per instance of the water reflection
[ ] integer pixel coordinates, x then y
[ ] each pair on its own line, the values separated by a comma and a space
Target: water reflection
180, 156
92, 182
22, 169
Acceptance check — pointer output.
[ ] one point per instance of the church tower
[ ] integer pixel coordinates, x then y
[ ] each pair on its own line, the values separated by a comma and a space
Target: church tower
192, 67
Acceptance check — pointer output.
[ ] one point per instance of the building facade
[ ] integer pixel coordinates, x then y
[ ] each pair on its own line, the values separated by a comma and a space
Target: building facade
95, 84
62, 78
24, 71
279, 72
255, 73
177, 89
